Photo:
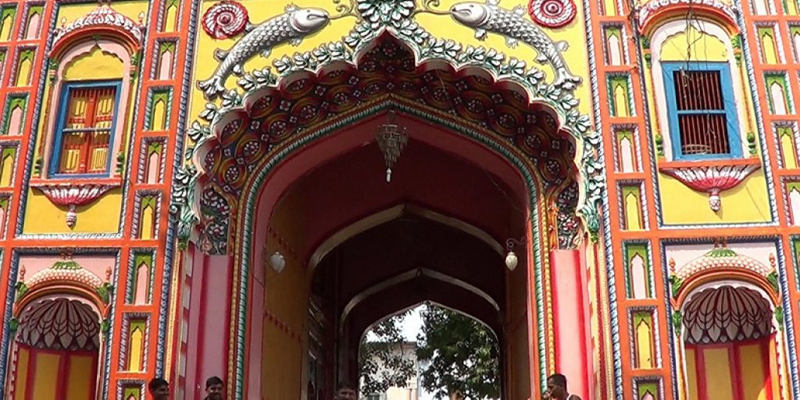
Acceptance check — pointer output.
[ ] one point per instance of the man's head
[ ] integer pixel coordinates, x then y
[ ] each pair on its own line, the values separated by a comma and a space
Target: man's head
346, 392
557, 386
159, 389
214, 387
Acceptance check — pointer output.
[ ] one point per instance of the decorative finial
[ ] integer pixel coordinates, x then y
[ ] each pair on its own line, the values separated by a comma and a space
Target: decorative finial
724, 243
391, 140
22, 273
66, 254
772, 261
108, 274
716, 243
671, 265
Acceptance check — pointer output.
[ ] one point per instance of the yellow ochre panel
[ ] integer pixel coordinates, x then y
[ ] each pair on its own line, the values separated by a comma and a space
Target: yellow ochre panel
691, 374
747, 202
79, 384
102, 216
45, 375
95, 65
718, 374
23, 359
752, 374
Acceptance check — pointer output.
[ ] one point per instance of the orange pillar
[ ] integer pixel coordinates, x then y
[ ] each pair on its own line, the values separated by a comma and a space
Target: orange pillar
571, 320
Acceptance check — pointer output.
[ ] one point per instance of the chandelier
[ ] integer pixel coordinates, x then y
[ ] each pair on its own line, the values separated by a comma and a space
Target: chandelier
391, 140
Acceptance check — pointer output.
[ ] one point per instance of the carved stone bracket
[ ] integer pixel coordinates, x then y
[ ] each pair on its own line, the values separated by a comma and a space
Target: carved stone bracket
712, 179
72, 195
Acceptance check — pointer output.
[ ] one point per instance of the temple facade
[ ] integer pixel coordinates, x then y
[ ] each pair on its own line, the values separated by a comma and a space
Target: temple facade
242, 188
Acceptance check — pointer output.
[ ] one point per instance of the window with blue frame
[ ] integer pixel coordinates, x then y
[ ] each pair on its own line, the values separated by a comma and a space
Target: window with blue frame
702, 111
86, 121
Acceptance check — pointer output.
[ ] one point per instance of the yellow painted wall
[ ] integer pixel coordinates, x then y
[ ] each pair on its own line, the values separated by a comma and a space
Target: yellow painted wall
46, 373
747, 202
717, 367
23, 360
80, 380
96, 65
286, 297
103, 216
753, 375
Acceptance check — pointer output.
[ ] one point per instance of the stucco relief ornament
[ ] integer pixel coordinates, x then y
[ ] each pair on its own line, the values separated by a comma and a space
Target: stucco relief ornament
552, 13
291, 26
225, 20
712, 179
652, 8
73, 195
510, 24
375, 17
103, 16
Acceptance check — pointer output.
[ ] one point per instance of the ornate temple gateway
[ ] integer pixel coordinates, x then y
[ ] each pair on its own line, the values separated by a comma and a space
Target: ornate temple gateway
242, 188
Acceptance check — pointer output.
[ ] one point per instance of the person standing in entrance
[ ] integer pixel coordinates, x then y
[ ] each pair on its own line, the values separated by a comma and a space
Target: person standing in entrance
557, 389
346, 392
214, 386
159, 389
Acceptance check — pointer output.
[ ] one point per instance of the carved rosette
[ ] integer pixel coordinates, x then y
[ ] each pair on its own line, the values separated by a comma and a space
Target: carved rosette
72, 195
711, 179
225, 20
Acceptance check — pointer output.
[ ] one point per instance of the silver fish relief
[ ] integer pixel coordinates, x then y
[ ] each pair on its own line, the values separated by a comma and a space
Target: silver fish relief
292, 26
511, 25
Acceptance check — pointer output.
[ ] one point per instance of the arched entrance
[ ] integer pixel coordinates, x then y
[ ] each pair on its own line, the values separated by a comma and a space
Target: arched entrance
483, 152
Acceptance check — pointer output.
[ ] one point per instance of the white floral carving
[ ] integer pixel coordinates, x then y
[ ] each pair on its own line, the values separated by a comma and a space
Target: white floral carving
711, 179
103, 16
650, 9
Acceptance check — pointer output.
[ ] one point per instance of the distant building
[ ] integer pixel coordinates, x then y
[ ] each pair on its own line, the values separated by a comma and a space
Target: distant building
410, 392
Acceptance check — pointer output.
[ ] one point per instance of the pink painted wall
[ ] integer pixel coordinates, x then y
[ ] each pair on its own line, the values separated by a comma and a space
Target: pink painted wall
208, 322
570, 311
94, 264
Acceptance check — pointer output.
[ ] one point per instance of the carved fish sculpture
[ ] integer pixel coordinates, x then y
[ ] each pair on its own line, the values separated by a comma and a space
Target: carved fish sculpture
489, 17
292, 26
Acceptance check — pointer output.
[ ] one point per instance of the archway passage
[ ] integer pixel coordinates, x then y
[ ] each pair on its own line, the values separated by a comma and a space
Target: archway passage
359, 249
306, 106
499, 165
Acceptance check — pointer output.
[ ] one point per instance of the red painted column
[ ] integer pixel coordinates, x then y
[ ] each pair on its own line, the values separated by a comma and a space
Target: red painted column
208, 333
571, 320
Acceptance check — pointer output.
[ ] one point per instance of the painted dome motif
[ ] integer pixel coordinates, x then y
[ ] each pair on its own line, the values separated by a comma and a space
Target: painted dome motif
722, 257
60, 324
726, 314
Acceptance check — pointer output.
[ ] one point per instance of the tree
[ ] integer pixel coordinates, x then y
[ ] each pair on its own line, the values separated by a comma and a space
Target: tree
381, 365
461, 356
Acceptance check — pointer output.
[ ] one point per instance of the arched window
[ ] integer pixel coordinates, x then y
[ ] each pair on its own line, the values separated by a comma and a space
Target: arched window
697, 90
729, 341
89, 95
57, 350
